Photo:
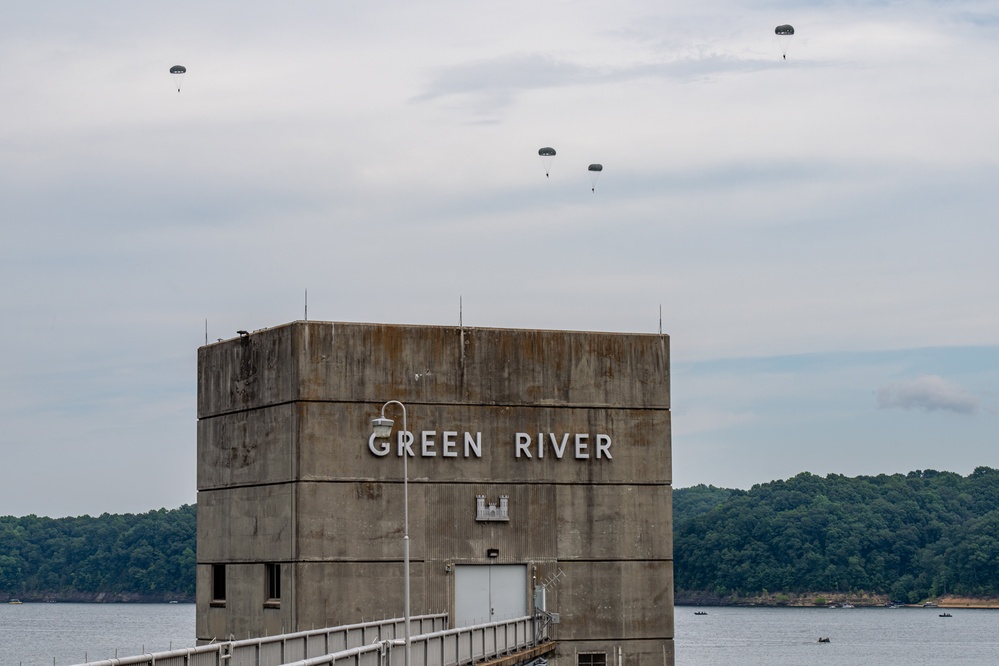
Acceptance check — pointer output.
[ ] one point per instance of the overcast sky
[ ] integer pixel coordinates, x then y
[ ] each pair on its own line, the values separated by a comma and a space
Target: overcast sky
819, 232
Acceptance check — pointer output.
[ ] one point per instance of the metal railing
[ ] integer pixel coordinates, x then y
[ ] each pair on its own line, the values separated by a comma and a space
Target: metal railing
366, 644
285, 648
450, 647
469, 645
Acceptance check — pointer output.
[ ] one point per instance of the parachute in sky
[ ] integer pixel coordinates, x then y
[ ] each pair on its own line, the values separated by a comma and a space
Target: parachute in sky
547, 156
594, 170
784, 34
178, 71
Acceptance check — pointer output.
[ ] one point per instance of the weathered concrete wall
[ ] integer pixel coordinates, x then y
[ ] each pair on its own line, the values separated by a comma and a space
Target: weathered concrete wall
329, 441
247, 524
246, 613
287, 474
349, 362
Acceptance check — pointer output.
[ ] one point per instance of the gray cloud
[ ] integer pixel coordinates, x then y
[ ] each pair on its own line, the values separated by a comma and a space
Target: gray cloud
929, 393
495, 82
502, 75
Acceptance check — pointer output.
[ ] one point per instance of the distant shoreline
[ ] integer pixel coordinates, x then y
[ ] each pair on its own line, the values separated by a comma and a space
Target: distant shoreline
99, 598
824, 599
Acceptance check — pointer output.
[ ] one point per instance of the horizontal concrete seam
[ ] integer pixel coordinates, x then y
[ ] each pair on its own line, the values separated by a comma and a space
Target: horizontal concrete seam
265, 484
439, 482
563, 560
410, 404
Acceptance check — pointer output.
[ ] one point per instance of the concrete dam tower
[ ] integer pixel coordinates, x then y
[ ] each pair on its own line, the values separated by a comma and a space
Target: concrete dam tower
533, 475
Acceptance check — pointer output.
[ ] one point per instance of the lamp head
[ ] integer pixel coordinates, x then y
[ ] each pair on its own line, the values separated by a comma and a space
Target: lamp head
382, 426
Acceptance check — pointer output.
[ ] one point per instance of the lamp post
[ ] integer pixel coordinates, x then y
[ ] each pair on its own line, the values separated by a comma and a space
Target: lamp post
382, 427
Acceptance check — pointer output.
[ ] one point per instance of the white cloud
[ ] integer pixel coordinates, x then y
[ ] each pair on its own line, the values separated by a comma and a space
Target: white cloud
928, 393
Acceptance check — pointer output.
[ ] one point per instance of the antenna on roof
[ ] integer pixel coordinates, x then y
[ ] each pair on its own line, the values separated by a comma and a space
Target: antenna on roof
306, 305
660, 319
206, 330
461, 333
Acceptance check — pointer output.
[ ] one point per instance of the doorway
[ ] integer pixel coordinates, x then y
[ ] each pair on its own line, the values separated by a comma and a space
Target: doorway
489, 593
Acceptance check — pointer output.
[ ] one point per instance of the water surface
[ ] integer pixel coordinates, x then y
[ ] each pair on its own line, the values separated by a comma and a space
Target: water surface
64, 634
45, 634
789, 636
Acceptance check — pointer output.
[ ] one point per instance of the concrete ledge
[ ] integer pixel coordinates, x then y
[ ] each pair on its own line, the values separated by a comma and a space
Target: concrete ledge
525, 655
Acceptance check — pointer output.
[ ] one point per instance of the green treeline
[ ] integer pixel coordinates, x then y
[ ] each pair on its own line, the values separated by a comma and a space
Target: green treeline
125, 557
912, 537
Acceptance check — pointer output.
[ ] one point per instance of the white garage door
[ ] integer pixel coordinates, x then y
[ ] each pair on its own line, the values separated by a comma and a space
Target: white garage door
489, 592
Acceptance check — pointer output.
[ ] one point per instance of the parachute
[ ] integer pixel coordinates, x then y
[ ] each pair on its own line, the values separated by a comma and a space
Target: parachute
784, 34
594, 170
178, 71
547, 156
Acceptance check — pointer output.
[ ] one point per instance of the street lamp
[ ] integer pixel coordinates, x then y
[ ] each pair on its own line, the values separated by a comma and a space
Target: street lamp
382, 427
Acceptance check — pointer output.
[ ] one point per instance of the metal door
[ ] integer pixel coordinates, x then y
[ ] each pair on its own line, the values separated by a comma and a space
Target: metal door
489, 592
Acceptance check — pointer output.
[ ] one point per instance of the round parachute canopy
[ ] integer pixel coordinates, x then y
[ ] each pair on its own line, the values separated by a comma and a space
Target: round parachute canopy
784, 34
178, 71
547, 156
594, 170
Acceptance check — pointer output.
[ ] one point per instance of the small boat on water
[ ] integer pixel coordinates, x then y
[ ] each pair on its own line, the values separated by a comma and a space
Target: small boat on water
700, 612
14, 601
946, 615
847, 605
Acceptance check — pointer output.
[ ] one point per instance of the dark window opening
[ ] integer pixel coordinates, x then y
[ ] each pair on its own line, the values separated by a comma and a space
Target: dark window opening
218, 582
273, 582
591, 659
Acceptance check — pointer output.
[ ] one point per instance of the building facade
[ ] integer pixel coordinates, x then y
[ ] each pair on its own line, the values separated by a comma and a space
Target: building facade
535, 459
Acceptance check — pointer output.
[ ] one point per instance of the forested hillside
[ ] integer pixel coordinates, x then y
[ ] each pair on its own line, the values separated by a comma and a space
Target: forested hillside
695, 500
125, 557
912, 536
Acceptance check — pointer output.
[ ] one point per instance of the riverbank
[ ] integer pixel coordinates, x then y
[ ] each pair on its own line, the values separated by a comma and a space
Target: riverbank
951, 601
813, 599
95, 597
783, 599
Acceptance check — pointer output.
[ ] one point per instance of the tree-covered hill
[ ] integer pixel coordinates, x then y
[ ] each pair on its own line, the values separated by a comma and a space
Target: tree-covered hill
911, 536
123, 557
695, 500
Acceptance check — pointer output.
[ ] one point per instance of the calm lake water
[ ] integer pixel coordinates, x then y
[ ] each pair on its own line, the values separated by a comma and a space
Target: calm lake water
63, 634
789, 636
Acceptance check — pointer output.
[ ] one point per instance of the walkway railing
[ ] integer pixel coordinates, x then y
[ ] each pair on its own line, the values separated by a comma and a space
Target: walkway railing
469, 645
367, 644
451, 647
285, 648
